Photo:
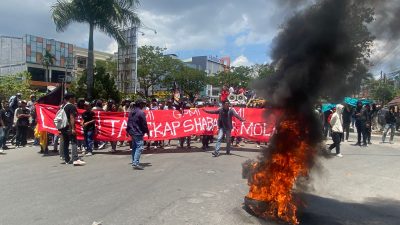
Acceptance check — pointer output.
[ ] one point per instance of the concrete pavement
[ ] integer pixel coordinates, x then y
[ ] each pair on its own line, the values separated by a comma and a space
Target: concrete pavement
190, 187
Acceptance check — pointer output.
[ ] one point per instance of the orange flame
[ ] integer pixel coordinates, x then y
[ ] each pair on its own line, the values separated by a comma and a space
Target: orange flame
273, 180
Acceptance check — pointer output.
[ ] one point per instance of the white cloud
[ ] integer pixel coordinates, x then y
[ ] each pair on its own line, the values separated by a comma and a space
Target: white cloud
242, 61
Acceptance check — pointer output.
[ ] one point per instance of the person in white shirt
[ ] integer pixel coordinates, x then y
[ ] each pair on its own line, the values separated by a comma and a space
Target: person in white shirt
337, 129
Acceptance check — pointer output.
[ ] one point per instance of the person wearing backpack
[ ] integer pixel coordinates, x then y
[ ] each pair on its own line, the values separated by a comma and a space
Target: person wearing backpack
68, 132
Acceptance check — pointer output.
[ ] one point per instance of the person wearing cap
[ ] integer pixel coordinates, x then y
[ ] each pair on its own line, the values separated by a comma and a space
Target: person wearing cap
126, 105
22, 115
225, 126
137, 128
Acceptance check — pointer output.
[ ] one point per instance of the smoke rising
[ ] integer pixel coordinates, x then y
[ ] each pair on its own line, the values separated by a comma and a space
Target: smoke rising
315, 54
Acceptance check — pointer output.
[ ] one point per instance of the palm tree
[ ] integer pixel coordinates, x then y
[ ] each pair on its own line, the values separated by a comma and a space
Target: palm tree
109, 16
47, 61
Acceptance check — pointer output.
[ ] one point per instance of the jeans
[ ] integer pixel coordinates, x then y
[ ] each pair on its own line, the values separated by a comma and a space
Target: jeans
6, 133
68, 137
21, 136
1, 134
137, 148
88, 135
336, 136
392, 128
327, 130
221, 133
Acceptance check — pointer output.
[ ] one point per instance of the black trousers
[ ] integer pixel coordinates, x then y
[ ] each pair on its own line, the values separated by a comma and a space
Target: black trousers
361, 131
67, 138
346, 131
21, 135
205, 140
187, 139
336, 137
368, 131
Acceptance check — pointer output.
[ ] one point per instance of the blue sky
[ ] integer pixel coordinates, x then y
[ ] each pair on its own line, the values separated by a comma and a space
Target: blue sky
243, 30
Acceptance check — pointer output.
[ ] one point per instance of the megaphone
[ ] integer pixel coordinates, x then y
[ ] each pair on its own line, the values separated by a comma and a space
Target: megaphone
232, 98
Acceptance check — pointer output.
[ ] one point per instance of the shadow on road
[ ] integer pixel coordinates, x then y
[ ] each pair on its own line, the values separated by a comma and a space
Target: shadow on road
326, 211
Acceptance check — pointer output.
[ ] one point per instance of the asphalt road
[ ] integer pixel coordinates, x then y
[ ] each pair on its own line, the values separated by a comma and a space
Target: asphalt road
190, 187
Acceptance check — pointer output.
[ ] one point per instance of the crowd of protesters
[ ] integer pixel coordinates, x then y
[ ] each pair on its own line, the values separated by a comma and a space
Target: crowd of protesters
18, 121
337, 122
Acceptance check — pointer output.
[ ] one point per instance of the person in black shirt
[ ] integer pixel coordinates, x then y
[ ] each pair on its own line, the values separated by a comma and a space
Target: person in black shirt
360, 124
69, 133
22, 114
89, 126
390, 124
368, 122
224, 126
347, 113
7, 116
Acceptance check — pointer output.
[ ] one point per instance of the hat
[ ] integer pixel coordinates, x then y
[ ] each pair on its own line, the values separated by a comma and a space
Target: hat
18, 94
140, 101
23, 102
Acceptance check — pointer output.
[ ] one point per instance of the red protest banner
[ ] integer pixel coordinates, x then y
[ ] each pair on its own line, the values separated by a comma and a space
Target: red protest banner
167, 124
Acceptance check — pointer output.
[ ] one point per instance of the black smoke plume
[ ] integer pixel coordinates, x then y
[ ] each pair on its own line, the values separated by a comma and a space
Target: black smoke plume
315, 54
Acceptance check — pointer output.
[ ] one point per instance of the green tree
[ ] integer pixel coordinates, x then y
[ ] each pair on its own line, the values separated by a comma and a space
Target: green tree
153, 67
14, 83
104, 83
382, 91
107, 16
47, 61
263, 70
190, 81
237, 76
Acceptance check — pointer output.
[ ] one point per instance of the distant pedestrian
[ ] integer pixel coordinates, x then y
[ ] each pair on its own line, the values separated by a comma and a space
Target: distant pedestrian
368, 123
347, 114
7, 116
137, 128
336, 123
360, 124
390, 124
89, 128
224, 126
327, 126
22, 115
2, 128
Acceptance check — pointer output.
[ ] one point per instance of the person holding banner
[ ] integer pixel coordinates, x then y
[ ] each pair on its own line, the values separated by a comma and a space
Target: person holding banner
137, 128
225, 126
